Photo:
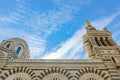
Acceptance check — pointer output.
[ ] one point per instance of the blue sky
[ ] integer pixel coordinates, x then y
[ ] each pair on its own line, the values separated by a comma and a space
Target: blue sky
53, 29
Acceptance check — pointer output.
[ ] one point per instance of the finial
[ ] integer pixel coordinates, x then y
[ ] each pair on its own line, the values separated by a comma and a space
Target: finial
88, 22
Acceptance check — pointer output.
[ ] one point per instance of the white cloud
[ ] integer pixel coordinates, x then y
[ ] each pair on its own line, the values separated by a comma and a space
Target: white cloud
116, 32
105, 21
73, 46
42, 24
47, 23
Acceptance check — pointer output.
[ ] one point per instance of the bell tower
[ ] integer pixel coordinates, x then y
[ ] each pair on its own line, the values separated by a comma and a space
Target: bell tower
99, 44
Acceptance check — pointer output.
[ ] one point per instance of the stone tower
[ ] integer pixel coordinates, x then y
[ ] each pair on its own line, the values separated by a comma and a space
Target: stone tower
99, 44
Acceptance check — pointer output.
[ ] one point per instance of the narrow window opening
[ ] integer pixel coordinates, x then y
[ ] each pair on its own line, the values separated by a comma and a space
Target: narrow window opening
97, 41
108, 41
18, 50
113, 60
8, 45
101, 39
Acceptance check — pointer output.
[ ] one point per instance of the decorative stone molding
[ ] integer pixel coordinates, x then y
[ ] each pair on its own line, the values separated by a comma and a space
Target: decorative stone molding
55, 70
18, 70
83, 71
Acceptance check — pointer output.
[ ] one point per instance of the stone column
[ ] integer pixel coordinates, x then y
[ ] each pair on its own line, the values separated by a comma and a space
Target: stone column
105, 41
98, 38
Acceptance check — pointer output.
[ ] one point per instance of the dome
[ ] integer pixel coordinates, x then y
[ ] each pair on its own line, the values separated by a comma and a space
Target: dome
17, 47
19, 40
91, 28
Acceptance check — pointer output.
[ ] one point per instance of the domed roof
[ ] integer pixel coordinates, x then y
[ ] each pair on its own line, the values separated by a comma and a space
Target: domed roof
91, 28
16, 39
17, 46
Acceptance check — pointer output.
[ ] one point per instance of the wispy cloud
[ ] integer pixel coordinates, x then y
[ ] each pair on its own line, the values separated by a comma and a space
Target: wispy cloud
51, 21
12, 25
105, 21
40, 25
116, 32
73, 46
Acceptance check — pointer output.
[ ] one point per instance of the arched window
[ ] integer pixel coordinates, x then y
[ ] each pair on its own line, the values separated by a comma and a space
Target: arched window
18, 50
8, 45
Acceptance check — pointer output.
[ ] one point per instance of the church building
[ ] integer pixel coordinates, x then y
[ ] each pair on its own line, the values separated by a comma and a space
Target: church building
103, 62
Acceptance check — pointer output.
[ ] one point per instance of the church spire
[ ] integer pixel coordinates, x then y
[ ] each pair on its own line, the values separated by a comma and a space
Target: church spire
89, 27
88, 23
